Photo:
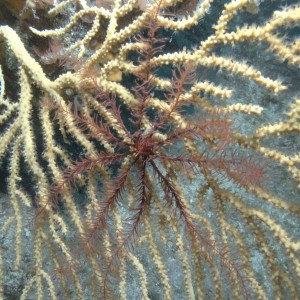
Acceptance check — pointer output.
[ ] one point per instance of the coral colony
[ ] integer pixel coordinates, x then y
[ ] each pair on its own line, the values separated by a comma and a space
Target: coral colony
138, 168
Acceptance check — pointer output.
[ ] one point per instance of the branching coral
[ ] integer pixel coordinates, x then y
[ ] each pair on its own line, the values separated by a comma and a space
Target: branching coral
165, 168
